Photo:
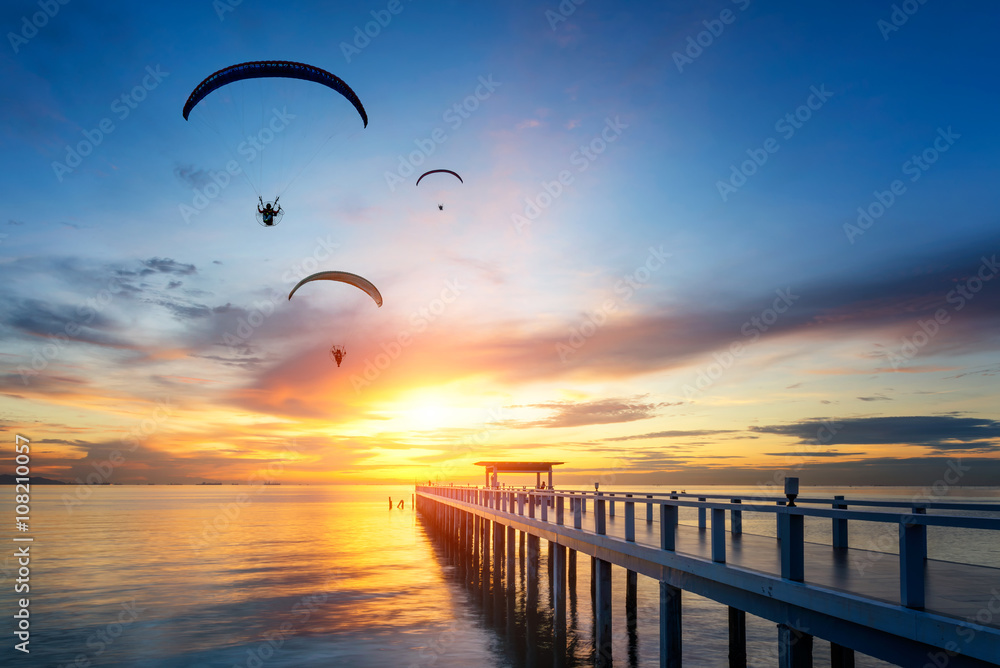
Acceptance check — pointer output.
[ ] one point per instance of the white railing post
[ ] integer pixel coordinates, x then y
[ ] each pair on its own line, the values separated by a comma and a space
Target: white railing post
912, 560
668, 527
719, 535
600, 522
629, 519
839, 525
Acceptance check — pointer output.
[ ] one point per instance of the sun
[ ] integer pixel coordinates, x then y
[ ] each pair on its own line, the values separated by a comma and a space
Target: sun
426, 411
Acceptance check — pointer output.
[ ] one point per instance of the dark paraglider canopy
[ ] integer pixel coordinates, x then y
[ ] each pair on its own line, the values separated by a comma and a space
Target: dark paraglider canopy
272, 68
439, 171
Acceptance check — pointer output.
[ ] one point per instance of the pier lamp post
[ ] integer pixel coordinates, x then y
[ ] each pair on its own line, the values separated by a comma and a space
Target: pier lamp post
791, 490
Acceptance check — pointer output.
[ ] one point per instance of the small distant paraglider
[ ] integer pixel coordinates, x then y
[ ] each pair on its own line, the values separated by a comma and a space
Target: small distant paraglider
337, 351
440, 171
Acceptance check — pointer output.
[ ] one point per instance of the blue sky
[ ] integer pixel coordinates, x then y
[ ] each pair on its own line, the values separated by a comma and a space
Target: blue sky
643, 184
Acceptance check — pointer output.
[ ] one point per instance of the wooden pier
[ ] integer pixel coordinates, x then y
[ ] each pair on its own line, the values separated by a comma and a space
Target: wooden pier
906, 609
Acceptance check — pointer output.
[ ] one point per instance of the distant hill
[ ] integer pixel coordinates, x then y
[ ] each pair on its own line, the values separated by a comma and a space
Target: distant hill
7, 479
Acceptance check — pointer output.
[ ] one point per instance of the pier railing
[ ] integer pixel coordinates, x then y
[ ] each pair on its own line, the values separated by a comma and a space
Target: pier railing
558, 515
790, 517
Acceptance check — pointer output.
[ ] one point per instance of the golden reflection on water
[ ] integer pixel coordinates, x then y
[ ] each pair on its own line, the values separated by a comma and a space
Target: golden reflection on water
219, 566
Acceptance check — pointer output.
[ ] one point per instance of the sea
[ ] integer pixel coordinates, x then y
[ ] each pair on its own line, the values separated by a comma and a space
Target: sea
226, 576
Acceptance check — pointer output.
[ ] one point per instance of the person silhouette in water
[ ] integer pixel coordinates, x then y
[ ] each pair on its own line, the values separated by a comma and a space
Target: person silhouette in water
268, 211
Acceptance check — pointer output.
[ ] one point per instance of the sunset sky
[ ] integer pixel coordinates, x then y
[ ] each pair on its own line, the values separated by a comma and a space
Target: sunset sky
696, 243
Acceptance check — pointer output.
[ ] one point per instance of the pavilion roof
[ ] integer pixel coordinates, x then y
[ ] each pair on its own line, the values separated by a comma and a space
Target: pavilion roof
521, 467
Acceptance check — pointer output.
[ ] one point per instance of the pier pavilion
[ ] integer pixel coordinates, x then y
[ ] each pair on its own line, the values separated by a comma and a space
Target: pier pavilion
538, 468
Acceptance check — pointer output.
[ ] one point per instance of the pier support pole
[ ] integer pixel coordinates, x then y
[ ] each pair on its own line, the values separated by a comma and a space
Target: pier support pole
737, 638
499, 556
670, 626
511, 556
593, 582
484, 536
559, 597
533, 550
603, 609
841, 657
475, 540
794, 648
632, 615
602, 590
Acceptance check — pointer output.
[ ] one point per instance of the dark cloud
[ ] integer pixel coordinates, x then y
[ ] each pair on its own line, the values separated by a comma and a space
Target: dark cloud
604, 411
918, 471
821, 453
29, 383
875, 398
167, 266
941, 432
673, 434
174, 284
192, 176
185, 311
246, 362
82, 322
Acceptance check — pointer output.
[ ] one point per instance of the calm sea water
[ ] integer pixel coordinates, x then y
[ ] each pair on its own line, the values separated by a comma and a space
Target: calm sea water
217, 576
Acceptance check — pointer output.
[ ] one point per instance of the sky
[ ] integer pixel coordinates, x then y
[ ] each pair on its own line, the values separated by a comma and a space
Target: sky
694, 243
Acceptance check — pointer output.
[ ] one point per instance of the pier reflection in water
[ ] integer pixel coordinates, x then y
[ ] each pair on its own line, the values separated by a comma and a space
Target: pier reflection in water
510, 577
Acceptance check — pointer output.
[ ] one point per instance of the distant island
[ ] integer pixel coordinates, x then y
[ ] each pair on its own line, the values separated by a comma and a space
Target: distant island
8, 479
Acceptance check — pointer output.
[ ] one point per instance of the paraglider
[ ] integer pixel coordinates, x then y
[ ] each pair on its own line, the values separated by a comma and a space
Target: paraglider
270, 213
298, 137
439, 171
338, 352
